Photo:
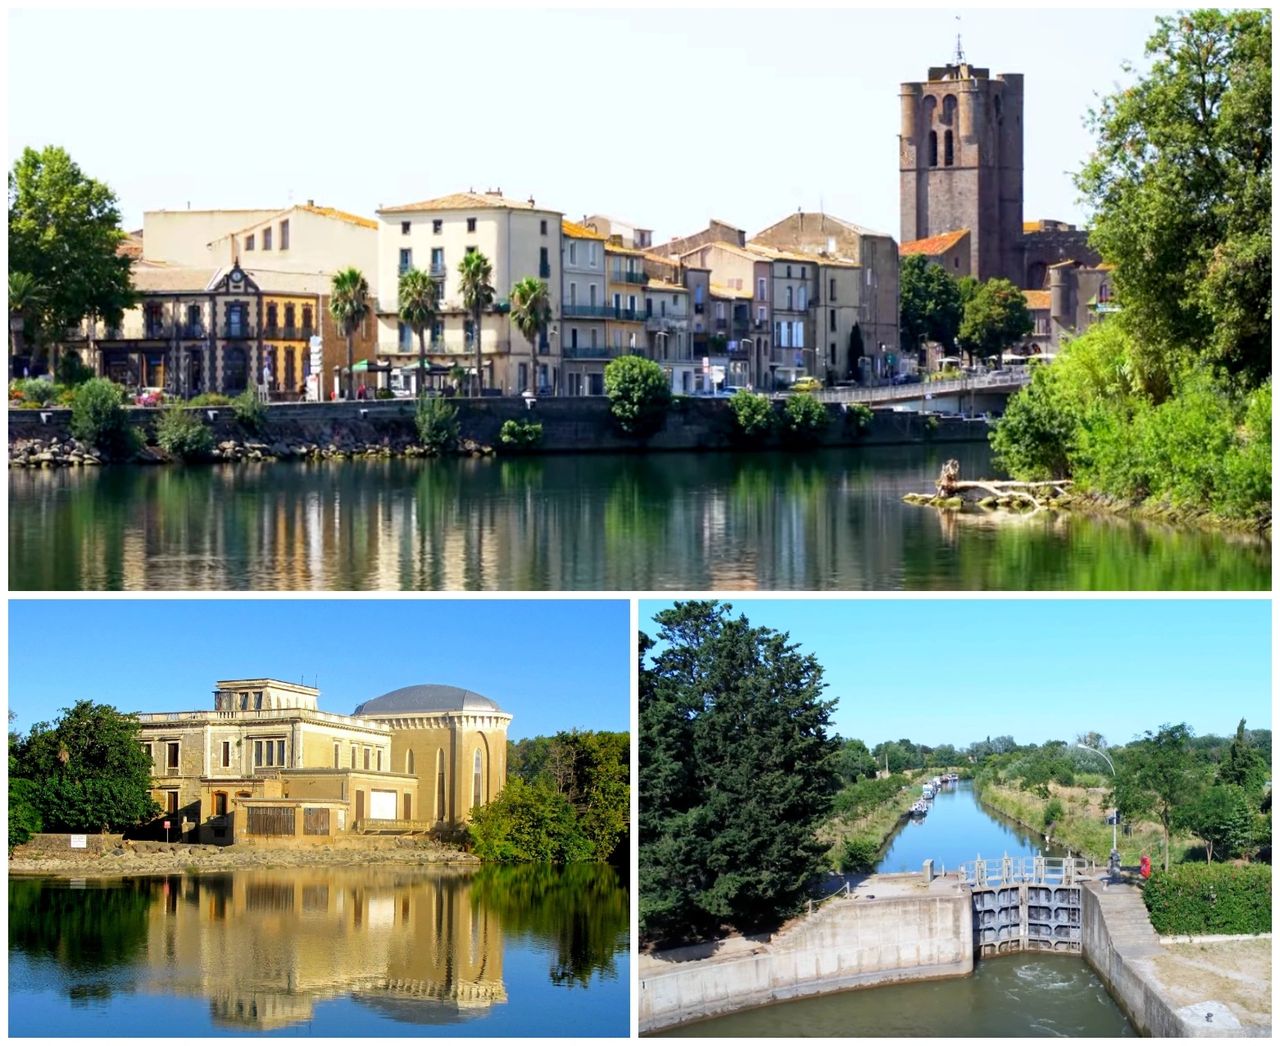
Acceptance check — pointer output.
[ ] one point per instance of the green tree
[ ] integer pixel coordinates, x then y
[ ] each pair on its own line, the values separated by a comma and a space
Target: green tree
528, 822
1157, 775
26, 297
930, 306
1035, 437
180, 432
994, 318
24, 818
1180, 187
736, 772
1244, 765
639, 394
1223, 818
531, 316
753, 414
804, 418
64, 232
477, 295
854, 761
418, 292
436, 420
99, 417
349, 306
89, 770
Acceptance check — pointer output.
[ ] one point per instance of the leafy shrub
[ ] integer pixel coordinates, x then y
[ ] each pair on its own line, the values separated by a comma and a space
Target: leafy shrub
384, 394
437, 422
528, 822
639, 394
24, 818
210, 399
99, 417
249, 411
1210, 898
858, 416
753, 414
865, 795
33, 392
520, 435
804, 418
72, 370
1053, 811
859, 854
181, 432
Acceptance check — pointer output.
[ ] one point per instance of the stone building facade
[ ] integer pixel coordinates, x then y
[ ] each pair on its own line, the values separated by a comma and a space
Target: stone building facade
266, 763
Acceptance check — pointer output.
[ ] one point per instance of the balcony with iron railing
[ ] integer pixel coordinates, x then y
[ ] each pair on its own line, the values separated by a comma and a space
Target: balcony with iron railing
438, 271
237, 331
463, 346
624, 276
573, 310
594, 352
278, 333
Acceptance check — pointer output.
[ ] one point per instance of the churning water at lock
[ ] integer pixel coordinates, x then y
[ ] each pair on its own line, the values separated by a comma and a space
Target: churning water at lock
1018, 995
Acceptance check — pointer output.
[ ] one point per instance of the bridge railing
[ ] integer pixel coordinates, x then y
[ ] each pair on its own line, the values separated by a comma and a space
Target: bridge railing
1014, 377
1037, 870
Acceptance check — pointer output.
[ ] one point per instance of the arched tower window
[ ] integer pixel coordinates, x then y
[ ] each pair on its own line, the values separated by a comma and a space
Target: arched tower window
477, 780
408, 761
933, 148
949, 109
949, 155
440, 784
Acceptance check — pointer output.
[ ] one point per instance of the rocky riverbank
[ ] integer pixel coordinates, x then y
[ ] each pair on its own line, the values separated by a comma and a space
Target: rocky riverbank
56, 452
124, 857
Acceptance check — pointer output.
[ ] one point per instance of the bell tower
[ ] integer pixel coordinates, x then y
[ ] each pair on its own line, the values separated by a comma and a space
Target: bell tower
960, 163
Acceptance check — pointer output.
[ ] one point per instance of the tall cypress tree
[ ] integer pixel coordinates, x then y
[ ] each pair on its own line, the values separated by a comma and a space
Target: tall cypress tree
736, 771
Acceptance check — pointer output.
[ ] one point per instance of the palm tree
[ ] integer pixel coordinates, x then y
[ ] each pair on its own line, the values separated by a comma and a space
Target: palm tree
477, 295
349, 305
418, 312
531, 315
25, 297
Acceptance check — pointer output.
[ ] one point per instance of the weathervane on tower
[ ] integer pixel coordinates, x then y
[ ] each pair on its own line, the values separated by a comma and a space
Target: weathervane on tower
959, 49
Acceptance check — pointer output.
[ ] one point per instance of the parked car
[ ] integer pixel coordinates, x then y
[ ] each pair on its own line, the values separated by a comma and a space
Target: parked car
806, 384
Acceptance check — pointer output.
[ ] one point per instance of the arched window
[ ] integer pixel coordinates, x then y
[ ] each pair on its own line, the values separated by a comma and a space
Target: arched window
408, 761
998, 102
933, 148
949, 156
440, 785
477, 780
949, 109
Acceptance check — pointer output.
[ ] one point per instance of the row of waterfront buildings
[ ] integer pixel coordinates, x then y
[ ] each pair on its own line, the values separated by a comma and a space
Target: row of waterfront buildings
234, 298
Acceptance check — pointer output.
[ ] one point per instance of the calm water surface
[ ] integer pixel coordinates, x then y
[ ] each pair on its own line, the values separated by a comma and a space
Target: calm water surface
831, 519
1017, 995
332, 952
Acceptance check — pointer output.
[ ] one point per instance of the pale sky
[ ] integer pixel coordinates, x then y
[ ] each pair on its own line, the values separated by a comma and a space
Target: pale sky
663, 117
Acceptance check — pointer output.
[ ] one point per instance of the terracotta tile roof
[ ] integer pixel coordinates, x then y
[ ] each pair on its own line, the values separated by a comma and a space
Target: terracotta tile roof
1063, 264
663, 285
754, 253
462, 201
579, 232
1037, 299
613, 248
934, 245
342, 216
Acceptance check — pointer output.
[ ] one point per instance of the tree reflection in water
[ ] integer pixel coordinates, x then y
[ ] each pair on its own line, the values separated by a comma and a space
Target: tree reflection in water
582, 908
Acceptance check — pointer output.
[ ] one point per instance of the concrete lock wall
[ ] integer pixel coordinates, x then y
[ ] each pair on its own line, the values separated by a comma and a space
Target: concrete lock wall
847, 944
570, 424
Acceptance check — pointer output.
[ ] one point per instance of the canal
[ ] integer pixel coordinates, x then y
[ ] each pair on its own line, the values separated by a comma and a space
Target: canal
514, 950
830, 519
1020, 995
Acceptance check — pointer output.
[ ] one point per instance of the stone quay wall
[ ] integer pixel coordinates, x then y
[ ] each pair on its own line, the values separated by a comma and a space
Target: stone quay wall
569, 425
849, 943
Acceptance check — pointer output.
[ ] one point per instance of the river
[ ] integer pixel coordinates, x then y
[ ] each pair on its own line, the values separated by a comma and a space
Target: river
1019, 995
506, 951
830, 519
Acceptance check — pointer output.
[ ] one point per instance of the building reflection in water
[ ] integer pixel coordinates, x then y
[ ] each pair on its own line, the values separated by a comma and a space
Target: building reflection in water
264, 947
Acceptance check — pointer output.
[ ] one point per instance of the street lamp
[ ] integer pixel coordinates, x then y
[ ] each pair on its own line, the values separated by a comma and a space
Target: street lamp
1115, 813
750, 354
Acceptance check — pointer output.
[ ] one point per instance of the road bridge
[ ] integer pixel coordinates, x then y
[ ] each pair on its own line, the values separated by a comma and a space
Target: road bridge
950, 395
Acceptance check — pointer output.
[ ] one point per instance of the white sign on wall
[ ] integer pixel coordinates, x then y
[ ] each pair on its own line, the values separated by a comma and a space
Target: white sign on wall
79, 842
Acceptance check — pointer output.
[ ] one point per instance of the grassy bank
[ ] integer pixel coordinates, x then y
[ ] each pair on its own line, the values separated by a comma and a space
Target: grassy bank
1082, 827
855, 841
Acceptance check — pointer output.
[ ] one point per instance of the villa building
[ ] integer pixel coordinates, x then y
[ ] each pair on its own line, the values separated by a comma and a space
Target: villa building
583, 343
267, 762
518, 238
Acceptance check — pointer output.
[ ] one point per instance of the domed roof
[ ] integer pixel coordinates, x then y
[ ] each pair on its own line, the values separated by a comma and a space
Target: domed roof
428, 697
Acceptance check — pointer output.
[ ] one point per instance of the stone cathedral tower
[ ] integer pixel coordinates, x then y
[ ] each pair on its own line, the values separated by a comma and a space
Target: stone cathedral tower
960, 164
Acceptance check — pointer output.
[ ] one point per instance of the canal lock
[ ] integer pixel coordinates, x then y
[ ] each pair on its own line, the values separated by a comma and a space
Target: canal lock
1025, 905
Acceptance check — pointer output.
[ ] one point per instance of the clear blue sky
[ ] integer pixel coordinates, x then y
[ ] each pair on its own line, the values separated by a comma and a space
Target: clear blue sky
553, 664
953, 671
664, 117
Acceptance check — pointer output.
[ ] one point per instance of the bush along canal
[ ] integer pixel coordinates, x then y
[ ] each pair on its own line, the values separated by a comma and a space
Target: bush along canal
1021, 941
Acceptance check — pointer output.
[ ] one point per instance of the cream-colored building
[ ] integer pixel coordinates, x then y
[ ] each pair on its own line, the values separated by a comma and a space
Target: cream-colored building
625, 280
583, 340
267, 763
519, 238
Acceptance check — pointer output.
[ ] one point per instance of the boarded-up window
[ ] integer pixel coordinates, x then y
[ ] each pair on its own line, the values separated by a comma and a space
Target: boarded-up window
270, 820
382, 805
315, 820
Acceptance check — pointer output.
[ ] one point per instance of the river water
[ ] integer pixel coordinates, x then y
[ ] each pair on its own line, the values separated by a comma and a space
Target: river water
1019, 995
506, 951
830, 519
